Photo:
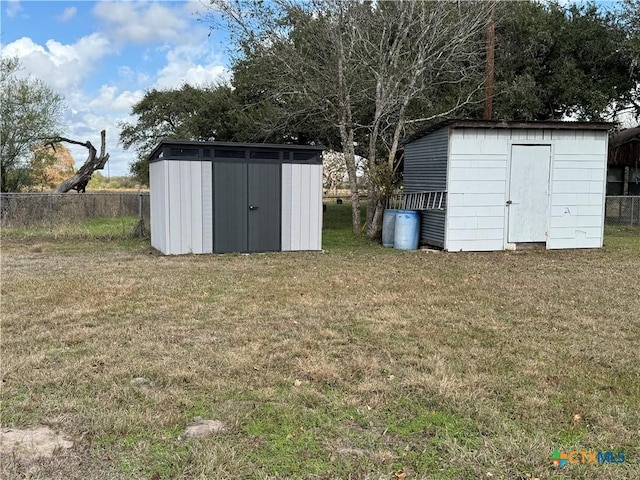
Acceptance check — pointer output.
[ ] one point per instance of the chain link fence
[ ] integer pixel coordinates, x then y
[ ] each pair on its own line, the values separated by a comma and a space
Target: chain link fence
622, 210
24, 210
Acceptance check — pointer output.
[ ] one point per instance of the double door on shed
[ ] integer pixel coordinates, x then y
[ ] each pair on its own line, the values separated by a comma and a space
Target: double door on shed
246, 207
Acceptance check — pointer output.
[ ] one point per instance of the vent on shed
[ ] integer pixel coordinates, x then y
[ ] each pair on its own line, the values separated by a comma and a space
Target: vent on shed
264, 155
183, 152
229, 153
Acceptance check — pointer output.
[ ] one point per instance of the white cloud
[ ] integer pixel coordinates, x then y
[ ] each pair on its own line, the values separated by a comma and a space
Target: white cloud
13, 8
110, 99
67, 14
186, 64
88, 115
62, 66
142, 22
177, 73
168, 31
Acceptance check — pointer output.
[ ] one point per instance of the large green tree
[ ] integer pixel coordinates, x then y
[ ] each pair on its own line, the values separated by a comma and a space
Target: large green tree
556, 61
30, 113
188, 113
351, 69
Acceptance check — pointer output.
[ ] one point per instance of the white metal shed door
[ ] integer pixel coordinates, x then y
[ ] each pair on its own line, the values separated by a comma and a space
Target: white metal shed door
528, 193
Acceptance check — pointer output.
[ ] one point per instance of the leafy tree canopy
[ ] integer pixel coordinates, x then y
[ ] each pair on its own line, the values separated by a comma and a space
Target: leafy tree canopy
189, 113
30, 113
555, 61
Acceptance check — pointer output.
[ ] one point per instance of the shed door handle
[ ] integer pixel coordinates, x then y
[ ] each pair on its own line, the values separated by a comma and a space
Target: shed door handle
509, 202
252, 207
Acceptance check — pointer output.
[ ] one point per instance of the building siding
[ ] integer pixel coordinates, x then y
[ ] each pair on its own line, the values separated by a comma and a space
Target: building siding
477, 189
181, 198
207, 207
425, 170
477, 181
185, 192
287, 205
158, 207
425, 163
302, 202
579, 170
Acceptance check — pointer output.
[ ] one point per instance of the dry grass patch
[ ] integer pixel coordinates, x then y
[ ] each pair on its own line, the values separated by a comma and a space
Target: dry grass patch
358, 362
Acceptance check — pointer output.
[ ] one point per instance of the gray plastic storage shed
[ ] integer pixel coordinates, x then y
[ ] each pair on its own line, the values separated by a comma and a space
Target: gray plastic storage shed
493, 185
219, 197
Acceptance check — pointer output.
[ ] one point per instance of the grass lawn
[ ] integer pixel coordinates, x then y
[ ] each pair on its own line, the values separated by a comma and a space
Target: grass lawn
359, 362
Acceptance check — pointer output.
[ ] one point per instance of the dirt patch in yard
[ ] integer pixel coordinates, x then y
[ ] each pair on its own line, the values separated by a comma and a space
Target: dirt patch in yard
31, 443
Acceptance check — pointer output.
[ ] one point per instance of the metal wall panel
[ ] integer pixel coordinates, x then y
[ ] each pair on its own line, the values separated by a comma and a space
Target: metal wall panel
425, 169
432, 224
425, 163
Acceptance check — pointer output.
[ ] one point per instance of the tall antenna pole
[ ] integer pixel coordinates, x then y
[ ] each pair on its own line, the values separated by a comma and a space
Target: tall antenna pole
489, 79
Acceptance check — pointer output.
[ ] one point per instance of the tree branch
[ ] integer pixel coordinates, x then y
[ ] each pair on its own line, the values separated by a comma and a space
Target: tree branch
94, 162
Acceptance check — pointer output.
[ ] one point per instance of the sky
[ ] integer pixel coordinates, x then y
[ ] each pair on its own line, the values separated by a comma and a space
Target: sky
102, 56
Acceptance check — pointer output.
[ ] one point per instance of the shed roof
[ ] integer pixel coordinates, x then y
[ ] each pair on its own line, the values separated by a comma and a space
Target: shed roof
268, 146
503, 124
625, 136
624, 147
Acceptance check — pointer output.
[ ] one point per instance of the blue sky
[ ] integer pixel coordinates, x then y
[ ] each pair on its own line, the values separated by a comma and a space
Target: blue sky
102, 56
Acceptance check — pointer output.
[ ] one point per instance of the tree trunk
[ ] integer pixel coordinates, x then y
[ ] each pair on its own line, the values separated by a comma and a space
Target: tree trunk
94, 162
350, 161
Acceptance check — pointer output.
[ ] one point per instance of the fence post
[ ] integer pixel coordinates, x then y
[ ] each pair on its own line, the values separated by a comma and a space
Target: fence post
141, 227
633, 201
51, 212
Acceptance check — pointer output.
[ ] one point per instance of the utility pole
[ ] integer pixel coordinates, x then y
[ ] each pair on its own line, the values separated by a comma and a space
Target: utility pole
489, 79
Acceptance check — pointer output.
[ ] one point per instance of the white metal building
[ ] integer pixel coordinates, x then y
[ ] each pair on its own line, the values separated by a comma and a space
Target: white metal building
501, 184
218, 197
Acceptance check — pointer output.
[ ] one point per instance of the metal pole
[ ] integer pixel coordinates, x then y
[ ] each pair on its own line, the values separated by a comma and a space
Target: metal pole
489, 79
51, 212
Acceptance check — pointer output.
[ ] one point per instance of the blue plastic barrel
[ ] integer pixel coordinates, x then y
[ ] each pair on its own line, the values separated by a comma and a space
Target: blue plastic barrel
407, 230
388, 226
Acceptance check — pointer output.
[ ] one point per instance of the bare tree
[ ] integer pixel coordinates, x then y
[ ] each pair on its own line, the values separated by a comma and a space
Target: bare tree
358, 65
305, 55
415, 48
94, 162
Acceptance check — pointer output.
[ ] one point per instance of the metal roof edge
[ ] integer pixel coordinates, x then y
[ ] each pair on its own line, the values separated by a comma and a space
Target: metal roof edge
539, 124
271, 146
504, 124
